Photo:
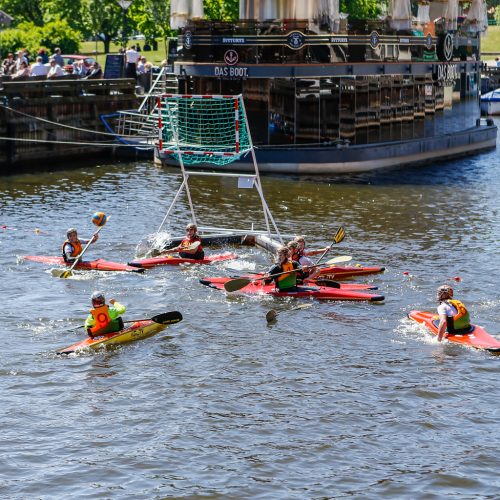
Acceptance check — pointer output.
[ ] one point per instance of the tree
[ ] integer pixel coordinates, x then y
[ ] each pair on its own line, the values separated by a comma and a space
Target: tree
222, 10
103, 18
24, 10
361, 9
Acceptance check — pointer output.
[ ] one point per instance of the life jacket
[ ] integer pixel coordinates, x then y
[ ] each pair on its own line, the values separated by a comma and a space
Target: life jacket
187, 242
288, 280
103, 322
76, 249
459, 323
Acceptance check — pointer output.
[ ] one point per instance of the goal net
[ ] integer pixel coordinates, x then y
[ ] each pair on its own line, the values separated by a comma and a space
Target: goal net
203, 128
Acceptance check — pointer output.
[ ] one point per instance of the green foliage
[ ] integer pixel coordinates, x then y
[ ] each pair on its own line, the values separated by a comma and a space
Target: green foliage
60, 34
24, 10
222, 10
32, 37
361, 9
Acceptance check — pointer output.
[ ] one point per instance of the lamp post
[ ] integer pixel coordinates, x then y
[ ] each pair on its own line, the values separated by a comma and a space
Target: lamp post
124, 4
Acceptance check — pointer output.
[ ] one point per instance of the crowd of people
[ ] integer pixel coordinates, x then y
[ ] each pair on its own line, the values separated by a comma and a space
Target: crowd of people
22, 67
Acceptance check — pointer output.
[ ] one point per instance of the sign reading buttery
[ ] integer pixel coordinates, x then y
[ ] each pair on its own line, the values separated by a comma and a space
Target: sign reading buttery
115, 66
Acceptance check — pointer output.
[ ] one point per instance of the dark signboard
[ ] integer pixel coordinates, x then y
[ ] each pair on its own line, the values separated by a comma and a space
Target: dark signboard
115, 66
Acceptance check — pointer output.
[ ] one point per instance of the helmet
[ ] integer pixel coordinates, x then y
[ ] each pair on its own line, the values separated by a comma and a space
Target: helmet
98, 298
191, 226
99, 219
300, 238
444, 292
71, 230
293, 245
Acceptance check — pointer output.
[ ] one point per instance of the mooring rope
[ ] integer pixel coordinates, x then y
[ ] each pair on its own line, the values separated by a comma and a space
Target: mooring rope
62, 125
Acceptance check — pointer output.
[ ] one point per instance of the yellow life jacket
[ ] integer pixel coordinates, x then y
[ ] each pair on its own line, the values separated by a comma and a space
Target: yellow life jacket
461, 321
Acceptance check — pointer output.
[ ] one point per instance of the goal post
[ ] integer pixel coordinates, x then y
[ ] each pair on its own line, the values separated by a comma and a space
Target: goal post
207, 129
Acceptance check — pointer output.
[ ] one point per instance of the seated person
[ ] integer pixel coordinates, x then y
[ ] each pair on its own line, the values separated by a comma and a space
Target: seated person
72, 247
191, 237
453, 316
38, 68
305, 262
103, 318
284, 282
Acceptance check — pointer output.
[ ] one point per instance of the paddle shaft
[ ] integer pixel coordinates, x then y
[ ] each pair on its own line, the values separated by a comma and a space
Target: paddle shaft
339, 236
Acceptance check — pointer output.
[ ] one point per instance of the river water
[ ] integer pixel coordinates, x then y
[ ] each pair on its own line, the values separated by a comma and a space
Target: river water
339, 400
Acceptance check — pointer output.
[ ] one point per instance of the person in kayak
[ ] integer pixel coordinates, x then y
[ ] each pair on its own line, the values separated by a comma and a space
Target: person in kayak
453, 315
191, 237
73, 246
305, 262
103, 318
301, 240
284, 282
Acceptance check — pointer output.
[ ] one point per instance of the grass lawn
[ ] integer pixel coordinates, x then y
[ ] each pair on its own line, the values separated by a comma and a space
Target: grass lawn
153, 56
491, 42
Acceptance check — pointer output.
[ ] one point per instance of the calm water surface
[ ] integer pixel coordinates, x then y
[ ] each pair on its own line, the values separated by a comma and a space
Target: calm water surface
341, 400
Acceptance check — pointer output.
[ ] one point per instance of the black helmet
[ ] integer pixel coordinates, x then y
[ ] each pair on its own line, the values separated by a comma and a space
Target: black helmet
98, 298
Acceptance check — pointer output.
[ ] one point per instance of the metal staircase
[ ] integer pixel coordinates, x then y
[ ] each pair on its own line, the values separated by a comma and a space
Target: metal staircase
140, 127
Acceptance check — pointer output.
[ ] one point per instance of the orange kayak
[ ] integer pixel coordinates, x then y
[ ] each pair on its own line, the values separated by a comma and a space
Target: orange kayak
478, 337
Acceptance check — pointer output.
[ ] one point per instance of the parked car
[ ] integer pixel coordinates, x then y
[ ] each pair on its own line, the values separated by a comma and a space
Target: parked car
70, 59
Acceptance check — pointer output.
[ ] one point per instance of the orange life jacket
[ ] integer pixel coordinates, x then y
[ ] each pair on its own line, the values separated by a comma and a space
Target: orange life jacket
76, 248
102, 319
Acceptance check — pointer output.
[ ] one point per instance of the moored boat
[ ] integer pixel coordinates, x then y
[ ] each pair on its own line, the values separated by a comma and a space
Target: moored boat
97, 265
477, 337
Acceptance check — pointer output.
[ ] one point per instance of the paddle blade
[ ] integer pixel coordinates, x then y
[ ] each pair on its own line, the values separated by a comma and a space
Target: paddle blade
339, 235
168, 318
327, 283
339, 259
57, 273
236, 284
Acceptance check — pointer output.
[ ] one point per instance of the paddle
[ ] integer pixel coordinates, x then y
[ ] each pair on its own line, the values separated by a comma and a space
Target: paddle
272, 314
239, 283
69, 272
339, 236
168, 318
193, 246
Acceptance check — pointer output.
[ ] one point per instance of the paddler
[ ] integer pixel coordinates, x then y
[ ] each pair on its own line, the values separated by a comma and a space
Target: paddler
453, 315
301, 240
73, 246
284, 282
103, 318
305, 262
191, 238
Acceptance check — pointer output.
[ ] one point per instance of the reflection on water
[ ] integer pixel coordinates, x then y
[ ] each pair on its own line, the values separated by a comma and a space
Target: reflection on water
339, 399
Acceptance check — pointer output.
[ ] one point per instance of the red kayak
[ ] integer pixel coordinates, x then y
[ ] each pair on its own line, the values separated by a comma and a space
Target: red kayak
96, 265
342, 286
168, 260
315, 292
339, 272
478, 337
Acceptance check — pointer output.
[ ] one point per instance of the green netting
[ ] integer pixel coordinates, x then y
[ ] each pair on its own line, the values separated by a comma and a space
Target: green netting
205, 128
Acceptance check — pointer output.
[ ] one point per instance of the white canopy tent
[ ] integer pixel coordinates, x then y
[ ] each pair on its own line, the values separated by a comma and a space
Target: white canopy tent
478, 15
183, 10
400, 14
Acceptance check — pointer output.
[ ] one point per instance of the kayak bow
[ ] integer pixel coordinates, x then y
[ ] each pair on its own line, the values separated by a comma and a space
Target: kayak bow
96, 265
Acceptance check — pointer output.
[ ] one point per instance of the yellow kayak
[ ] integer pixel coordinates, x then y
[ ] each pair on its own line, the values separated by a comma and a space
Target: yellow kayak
138, 330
